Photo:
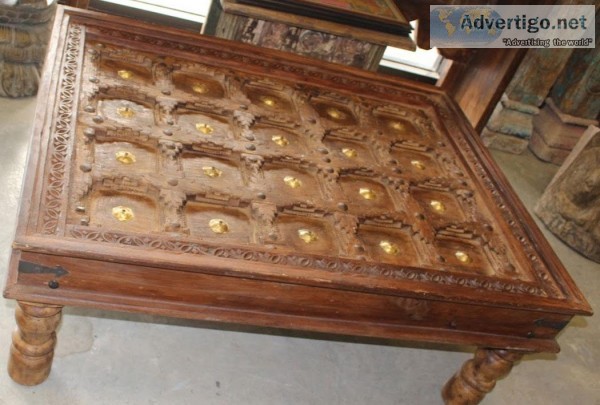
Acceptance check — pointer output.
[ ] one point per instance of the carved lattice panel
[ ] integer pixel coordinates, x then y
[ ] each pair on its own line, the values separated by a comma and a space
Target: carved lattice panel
202, 144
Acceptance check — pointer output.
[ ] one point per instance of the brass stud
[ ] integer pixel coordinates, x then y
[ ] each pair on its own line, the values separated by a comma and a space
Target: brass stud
307, 236
398, 126
437, 206
211, 171
200, 88
204, 128
125, 112
268, 101
417, 164
122, 213
349, 152
125, 157
280, 140
367, 193
125, 74
463, 257
292, 182
389, 247
218, 226
336, 114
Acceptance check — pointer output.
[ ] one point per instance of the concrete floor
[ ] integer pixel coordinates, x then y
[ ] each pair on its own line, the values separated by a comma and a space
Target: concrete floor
116, 358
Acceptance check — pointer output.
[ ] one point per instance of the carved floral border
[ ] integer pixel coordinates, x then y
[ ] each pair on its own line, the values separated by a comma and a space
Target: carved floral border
61, 132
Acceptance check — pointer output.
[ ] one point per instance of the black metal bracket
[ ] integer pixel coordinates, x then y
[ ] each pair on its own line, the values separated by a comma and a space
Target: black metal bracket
557, 325
34, 268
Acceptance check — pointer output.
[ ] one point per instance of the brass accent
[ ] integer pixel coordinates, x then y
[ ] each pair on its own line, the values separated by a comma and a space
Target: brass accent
463, 257
307, 236
125, 157
125, 112
200, 88
398, 126
125, 74
292, 182
335, 113
204, 128
122, 213
280, 140
437, 206
367, 193
268, 101
211, 171
349, 152
417, 164
218, 225
389, 247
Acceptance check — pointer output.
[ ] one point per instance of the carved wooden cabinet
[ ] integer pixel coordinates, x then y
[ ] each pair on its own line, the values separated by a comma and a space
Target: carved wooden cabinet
199, 178
277, 26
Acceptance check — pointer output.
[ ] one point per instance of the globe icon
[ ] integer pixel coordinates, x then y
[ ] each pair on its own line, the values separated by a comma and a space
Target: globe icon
459, 27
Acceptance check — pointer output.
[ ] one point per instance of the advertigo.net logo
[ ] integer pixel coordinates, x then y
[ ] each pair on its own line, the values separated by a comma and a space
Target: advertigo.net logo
512, 26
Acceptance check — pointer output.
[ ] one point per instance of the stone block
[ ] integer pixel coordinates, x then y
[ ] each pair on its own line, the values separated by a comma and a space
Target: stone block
555, 133
504, 142
512, 118
546, 152
570, 205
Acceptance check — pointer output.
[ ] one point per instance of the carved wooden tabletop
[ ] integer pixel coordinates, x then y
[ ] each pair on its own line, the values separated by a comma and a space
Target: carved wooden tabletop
199, 178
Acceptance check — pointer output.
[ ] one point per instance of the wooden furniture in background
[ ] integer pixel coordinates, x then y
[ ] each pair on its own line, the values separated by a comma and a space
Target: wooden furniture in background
321, 39
207, 179
24, 34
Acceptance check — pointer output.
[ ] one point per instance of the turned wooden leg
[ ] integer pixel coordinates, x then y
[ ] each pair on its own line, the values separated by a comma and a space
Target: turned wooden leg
478, 376
33, 342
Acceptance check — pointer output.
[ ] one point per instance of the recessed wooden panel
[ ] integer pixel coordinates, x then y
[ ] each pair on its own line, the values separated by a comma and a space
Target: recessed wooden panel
126, 73
364, 195
269, 101
335, 114
348, 152
418, 164
140, 213
125, 156
400, 129
306, 234
439, 205
464, 257
235, 226
204, 126
280, 140
290, 184
389, 245
200, 86
212, 171
126, 113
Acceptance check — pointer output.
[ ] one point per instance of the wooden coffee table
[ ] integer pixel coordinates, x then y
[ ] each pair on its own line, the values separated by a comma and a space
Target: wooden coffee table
198, 178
